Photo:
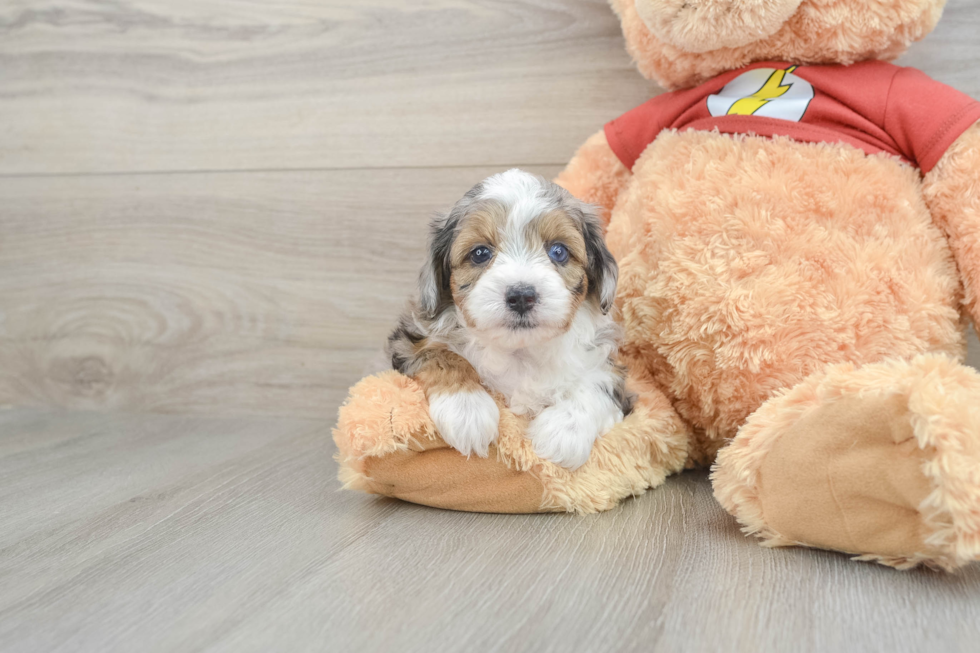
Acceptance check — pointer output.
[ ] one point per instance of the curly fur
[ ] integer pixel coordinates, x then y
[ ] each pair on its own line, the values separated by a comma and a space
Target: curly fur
802, 255
952, 192
820, 31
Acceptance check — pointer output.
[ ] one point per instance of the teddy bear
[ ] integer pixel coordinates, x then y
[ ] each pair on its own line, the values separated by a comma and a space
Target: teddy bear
797, 228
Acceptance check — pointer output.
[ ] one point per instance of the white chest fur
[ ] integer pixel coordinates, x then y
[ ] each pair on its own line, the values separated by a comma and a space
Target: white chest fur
533, 378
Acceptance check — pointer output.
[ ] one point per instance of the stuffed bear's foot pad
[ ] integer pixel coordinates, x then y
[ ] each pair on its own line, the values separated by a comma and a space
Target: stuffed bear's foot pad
879, 461
856, 470
444, 478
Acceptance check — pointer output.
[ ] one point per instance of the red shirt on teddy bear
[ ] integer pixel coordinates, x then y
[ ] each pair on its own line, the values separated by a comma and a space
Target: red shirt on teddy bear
874, 106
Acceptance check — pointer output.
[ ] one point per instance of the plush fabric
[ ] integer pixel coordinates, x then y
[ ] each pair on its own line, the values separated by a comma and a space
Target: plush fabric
387, 445
952, 193
769, 259
881, 458
819, 32
595, 175
794, 315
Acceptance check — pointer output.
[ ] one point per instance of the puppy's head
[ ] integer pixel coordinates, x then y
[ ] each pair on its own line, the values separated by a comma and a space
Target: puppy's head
518, 256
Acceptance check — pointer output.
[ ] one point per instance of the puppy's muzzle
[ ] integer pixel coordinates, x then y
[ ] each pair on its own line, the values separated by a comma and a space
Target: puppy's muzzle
521, 298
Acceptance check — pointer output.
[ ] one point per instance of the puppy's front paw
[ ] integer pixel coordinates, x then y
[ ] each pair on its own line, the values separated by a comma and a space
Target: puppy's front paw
563, 435
466, 420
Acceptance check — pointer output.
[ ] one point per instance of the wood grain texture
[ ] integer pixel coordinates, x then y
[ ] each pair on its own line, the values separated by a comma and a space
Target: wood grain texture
216, 294
169, 533
133, 279
226, 293
136, 276
151, 85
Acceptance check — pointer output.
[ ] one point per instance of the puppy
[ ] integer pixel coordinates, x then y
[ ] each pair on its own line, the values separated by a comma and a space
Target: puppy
515, 299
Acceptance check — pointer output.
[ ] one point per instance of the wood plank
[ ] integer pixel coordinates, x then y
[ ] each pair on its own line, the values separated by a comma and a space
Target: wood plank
151, 85
243, 293
231, 293
262, 293
162, 533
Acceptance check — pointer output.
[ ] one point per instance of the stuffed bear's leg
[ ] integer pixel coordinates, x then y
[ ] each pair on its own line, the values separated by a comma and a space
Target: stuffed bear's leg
881, 461
388, 445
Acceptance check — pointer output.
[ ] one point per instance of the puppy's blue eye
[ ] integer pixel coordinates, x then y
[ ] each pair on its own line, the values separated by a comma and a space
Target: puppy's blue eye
558, 253
480, 255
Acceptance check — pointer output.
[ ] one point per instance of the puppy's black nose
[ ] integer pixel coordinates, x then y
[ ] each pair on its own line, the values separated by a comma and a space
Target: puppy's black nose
521, 298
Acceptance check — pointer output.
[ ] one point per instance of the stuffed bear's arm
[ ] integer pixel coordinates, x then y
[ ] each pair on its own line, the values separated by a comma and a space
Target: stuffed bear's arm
387, 444
952, 192
595, 174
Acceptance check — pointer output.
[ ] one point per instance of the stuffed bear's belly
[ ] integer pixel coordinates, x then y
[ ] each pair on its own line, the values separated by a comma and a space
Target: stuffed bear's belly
747, 264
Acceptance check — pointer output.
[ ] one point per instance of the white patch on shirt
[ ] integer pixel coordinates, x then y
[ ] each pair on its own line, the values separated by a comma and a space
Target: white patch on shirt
786, 97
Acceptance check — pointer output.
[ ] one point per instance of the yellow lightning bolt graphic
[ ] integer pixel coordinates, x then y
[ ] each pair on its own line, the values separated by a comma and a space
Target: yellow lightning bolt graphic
772, 89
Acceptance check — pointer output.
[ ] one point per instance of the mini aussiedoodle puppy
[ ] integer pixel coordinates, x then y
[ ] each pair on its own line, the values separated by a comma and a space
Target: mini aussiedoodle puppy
515, 300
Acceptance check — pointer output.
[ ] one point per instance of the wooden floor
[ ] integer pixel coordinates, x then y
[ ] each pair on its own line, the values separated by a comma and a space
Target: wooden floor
210, 213
173, 533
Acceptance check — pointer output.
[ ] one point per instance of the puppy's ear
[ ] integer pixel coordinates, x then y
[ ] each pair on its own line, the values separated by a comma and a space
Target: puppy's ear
601, 270
434, 290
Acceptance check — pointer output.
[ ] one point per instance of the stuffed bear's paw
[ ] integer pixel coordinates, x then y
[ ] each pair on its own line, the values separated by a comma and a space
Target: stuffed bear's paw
564, 433
466, 420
